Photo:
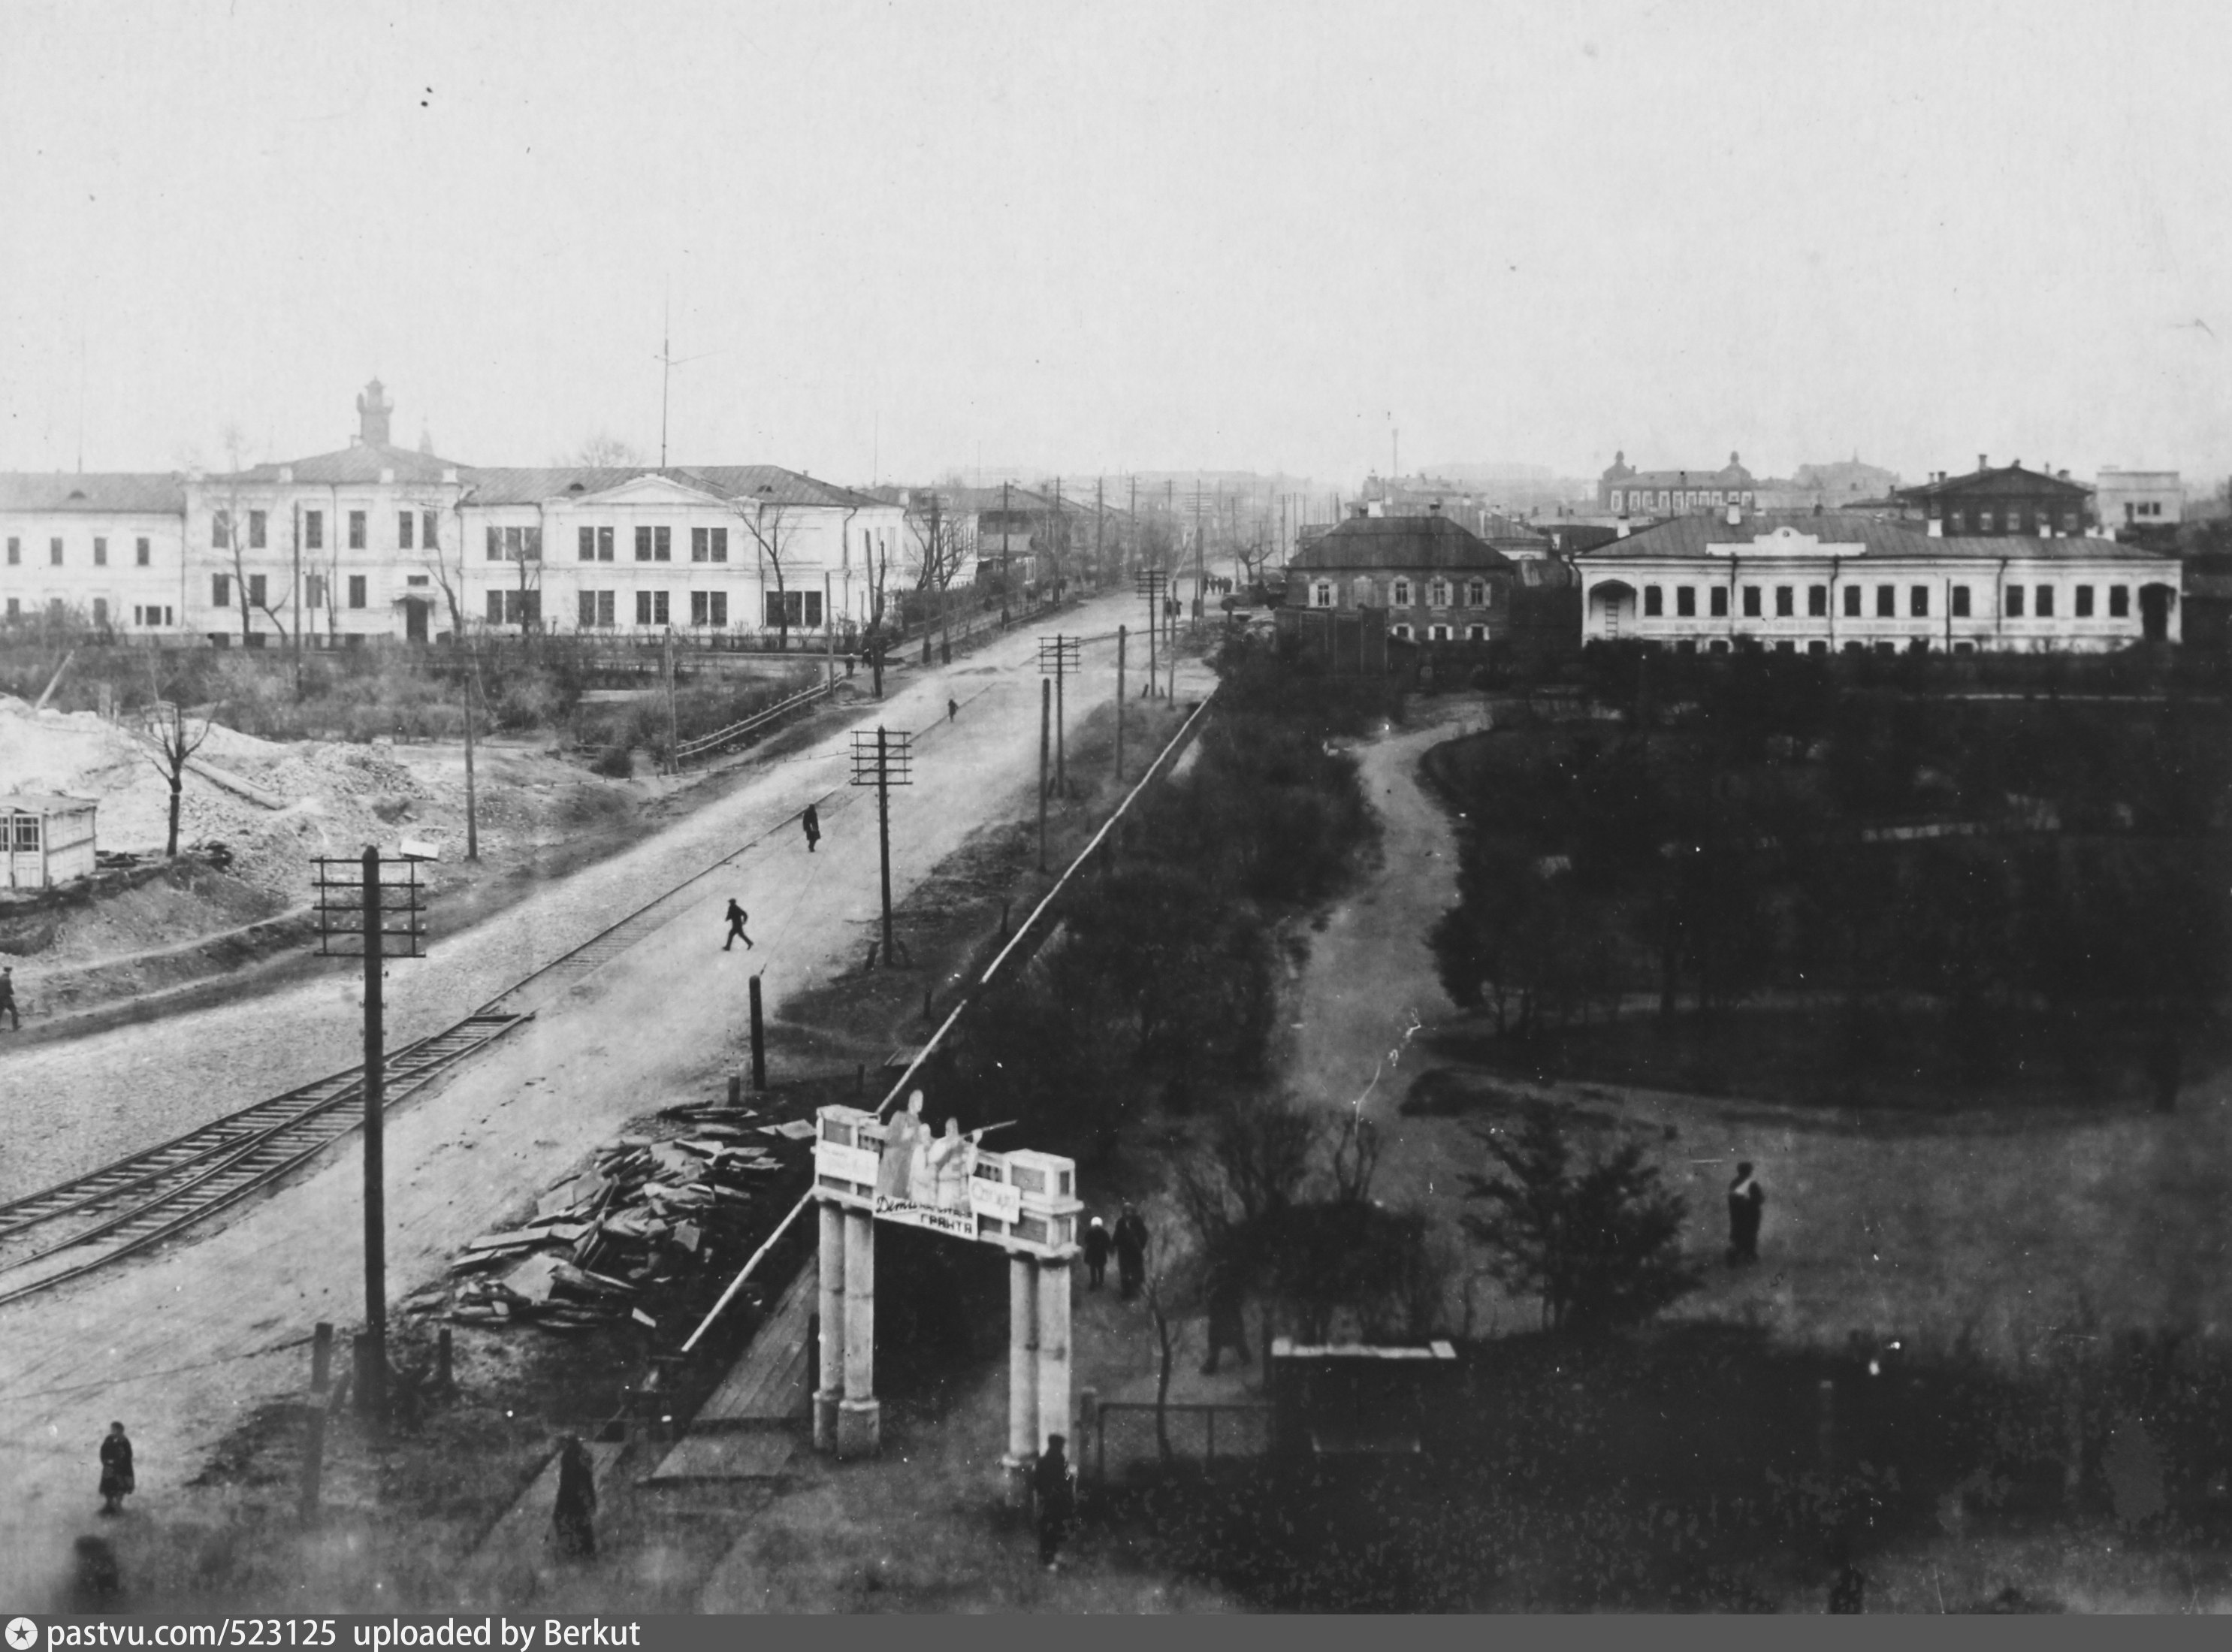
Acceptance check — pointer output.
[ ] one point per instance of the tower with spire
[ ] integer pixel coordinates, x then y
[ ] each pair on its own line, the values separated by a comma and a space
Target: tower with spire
372, 409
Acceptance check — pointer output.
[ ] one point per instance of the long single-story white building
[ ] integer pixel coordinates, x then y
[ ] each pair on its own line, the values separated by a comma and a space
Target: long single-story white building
1843, 583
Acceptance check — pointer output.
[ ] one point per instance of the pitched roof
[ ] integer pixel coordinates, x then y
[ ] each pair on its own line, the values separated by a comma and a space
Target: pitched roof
360, 462
1681, 537
158, 493
1400, 543
498, 485
2003, 478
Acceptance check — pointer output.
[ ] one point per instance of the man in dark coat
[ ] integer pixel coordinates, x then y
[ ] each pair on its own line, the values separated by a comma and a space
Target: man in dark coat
812, 822
576, 1513
1131, 1251
952, 709
1746, 1199
737, 915
1056, 1497
8, 999
116, 1478
1096, 1253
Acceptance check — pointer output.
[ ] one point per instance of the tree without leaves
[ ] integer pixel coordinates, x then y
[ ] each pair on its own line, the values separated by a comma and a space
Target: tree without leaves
175, 744
603, 452
1599, 1242
772, 530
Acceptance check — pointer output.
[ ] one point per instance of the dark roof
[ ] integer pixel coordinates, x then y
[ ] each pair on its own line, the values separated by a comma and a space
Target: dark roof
1401, 544
1692, 535
1996, 480
157, 492
361, 461
47, 803
500, 486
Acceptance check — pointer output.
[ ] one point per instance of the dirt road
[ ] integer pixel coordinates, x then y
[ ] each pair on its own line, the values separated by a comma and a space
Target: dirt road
182, 1344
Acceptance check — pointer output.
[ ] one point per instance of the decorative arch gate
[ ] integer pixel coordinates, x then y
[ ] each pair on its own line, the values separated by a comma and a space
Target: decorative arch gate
867, 1171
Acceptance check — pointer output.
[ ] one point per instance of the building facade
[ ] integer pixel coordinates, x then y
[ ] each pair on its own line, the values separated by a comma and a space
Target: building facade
1624, 491
2138, 499
1435, 581
1834, 583
106, 550
1997, 501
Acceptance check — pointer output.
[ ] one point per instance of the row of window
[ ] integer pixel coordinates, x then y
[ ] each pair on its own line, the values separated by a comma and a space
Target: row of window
796, 610
313, 590
1886, 601
142, 553
651, 544
1443, 633
409, 525
2015, 518
142, 614
1676, 498
1401, 594
2135, 508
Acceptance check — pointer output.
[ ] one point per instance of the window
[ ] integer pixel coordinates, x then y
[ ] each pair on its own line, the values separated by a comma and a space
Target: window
1437, 594
1403, 632
16, 551
792, 604
1817, 646
314, 530
1402, 597
527, 547
604, 607
515, 608
403, 528
2068, 521
1654, 601
100, 552
1751, 602
603, 545
313, 590
1917, 602
1785, 648
1886, 601
495, 607
495, 544
1321, 595
356, 590
642, 547
414, 581
1851, 602
1719, 645
1439, 634
14, 607
709, 544
662, 545
2084, 602
2014, 602
356, 530
1988, 519
1720, 602
588, 600
1959, 595
54, 552
220, 530
646, 608
1785, 603
220, 591
2120, 602
1685, 601
100, 611
585, 548
140, 553
1476, 633
708, 607
2044, 607
255, 591
1964, 648
256, 530
428, 538
1817, 601
1476, 594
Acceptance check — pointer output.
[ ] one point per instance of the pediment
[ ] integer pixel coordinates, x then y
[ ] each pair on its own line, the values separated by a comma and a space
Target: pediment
648, 490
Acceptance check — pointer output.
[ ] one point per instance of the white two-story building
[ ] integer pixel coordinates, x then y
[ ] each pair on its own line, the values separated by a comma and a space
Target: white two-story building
106, 550
1848, 583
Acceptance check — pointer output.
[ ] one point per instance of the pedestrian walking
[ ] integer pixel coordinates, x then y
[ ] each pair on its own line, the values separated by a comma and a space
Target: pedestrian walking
738, 917
1746, 1199
575, 1516
1055, 1492
8, 998
952, 709
1096, 1253
811, 821
1131, 1253
116, 1478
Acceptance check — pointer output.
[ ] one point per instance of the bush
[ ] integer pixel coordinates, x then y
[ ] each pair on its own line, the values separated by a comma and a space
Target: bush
614, 762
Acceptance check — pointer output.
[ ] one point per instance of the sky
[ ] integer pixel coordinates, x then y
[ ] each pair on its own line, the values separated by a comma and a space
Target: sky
896, 240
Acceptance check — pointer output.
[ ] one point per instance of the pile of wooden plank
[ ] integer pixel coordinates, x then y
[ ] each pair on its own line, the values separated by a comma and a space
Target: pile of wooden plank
656, 1217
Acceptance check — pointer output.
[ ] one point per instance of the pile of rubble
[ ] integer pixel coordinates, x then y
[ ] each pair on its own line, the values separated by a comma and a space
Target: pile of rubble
652, 1219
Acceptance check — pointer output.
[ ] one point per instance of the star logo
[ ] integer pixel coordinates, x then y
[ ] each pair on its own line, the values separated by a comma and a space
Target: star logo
23, 1633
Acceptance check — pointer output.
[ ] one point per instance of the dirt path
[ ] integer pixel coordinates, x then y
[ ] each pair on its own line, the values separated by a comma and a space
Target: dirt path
182, 1344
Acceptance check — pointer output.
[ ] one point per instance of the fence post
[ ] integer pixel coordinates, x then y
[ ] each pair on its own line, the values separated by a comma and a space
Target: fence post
322, 1357
314, 1460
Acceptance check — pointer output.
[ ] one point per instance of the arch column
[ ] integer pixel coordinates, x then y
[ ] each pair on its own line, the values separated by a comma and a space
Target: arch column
830, 1365
1022, 1375
1052, 1374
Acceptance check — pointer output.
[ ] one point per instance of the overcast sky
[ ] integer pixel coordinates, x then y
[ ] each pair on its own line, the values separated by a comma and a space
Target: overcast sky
1123, 236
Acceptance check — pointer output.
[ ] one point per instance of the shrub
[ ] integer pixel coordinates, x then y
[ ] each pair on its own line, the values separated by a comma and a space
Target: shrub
614, 762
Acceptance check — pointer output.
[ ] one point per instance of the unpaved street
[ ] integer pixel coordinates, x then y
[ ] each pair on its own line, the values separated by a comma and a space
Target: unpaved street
181, 1344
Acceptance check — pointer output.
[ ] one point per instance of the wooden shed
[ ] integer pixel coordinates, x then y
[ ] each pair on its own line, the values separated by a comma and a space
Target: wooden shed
48, 839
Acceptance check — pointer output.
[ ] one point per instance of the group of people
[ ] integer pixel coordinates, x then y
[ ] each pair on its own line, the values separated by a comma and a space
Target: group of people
1128, 1241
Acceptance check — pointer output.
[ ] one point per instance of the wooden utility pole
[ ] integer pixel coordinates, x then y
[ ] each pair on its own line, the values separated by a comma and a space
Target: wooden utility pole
883, 761
672, 736
372, 1398
472, 814
1046, 738
1119, 705
1006, 540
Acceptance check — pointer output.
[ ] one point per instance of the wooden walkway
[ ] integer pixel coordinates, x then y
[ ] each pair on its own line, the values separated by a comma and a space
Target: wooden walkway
747, 1430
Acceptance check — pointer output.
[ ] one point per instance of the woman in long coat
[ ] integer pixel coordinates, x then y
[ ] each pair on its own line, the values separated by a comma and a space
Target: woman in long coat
116, 1481
575, 1516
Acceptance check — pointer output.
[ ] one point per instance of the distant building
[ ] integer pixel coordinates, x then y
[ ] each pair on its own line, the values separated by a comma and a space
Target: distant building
1843, 582
1623, 491
1436, 581
2138, 499
1992, 501
107, 549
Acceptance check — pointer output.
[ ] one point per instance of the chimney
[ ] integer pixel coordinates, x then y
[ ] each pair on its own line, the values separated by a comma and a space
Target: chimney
386, 476
2062, 474
1736, 515
1982, 463
1937, 527
286, 473
1434, 509
1620, 527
